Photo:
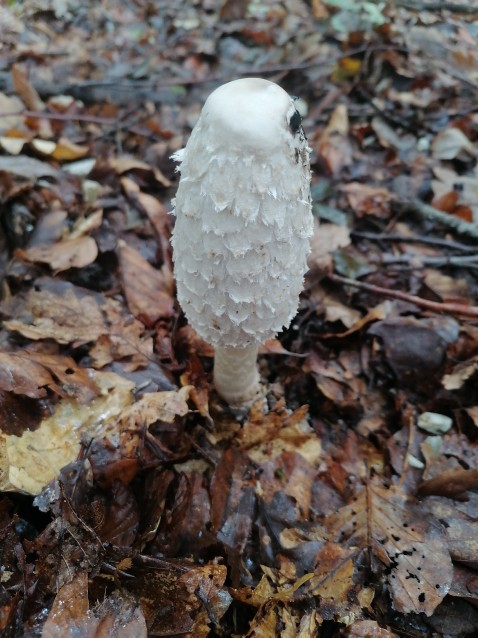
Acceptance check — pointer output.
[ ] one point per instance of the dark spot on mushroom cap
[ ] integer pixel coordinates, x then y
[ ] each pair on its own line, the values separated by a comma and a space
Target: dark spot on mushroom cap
295, 122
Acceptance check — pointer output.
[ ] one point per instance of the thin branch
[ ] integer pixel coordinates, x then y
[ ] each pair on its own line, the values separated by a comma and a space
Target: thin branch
405, 239
417, 261
416, 5
434, 306
428, 212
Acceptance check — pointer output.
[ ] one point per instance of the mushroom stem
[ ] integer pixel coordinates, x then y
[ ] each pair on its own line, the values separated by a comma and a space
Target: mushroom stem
235, 374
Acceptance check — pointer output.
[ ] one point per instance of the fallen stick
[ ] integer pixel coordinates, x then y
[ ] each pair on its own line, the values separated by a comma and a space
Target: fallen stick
434, 306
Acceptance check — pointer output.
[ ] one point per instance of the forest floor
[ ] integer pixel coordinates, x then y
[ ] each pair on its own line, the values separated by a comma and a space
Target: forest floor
132, 502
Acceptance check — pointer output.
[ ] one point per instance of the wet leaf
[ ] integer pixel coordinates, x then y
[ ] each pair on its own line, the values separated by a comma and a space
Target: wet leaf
147, 290
410, 545
71, 253
31, 461
71, 617
32, 373
367, 200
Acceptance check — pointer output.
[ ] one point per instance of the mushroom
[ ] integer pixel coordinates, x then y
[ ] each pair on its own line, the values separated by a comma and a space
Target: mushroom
243, 223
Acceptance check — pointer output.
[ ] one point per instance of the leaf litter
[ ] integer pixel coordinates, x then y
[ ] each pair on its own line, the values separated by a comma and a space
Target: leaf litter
133, 502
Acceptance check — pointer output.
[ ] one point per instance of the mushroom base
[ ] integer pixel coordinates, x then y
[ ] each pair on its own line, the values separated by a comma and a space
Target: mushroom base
235, 375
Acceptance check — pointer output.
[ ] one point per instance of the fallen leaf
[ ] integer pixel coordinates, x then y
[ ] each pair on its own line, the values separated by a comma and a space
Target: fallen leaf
70, 617
13, 145
460, 374
31, 373
25, 88
70, 253
450, 483
34, 459
56, 310
368, 629
69, 613
27, 167
126, 163
158, 406
451, 143
389, 138
11, 112
147, 290
63, 151
123, 340
85, 225
265, 436
326, 239
172, 592
410, 545
334, 148
367, 200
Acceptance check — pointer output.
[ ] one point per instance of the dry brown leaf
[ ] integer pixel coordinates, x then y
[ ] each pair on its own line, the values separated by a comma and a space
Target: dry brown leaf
31, 373
378, 313
460, 374
25, 88
21, 375
266, 436
411, 545
63, 150
67, 314
463, 540
59, 312
70, 253
195, 377
334, 309
172, 592
34, 459
123, 340
9, 107
449, 289
13, 145
466, 185
126, 163
333, 578
334, 148
27, 167
447, 202
368, 629
326, 239
85, 225
147, 290
309, 625
70, 617
264, 624
368, 200
453, 482
158, 406
452, 143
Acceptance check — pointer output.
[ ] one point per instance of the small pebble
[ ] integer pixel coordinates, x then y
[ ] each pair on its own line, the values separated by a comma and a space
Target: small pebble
434, 423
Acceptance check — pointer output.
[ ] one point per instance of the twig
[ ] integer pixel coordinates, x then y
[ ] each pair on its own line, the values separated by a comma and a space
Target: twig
429, 241
434, 306
425, 210
412, 259
62, 117
437, 6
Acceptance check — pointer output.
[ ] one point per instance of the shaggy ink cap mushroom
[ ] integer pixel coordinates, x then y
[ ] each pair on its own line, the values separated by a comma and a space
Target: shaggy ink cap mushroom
243, 223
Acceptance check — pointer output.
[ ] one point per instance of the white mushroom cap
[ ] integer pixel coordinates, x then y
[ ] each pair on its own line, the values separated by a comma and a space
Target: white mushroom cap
243, 215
